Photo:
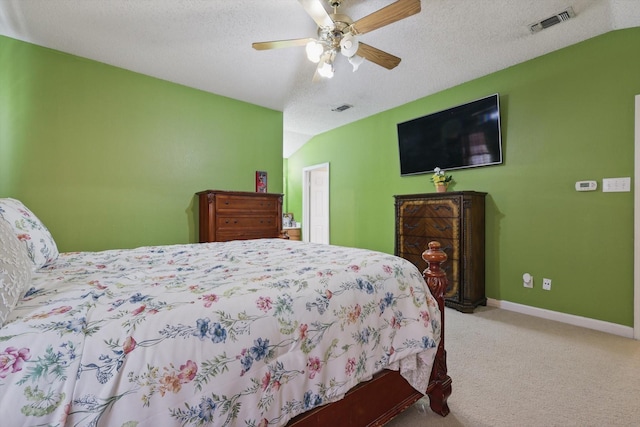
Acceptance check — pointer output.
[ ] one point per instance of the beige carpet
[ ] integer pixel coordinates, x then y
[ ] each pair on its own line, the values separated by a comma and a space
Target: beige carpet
510, 369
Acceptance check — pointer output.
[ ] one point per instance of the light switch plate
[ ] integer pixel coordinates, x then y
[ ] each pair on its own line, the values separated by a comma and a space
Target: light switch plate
613, 185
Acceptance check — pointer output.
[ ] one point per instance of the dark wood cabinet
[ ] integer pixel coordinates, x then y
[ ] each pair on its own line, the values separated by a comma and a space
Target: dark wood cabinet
457, 221
236, 215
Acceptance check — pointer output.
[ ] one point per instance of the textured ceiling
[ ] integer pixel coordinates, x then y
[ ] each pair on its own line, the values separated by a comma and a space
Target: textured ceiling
207, 45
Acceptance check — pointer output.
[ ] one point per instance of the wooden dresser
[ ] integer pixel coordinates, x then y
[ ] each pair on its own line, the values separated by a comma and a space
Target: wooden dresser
236, 215
456, 220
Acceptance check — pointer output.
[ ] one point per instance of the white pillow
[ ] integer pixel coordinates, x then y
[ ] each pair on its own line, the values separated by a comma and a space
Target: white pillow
15, 270
31, 231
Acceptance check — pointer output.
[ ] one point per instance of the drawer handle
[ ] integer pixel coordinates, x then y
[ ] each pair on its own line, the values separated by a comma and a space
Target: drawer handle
438, 207
413, 209
442, 228
447, 248
411, 226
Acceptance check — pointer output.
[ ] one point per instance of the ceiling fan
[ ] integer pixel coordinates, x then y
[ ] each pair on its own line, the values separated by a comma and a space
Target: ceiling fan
337, 33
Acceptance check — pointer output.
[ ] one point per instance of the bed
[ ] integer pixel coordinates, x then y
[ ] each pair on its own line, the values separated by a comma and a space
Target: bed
264, 332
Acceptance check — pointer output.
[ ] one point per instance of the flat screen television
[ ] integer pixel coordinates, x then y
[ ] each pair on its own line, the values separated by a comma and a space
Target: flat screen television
460, 137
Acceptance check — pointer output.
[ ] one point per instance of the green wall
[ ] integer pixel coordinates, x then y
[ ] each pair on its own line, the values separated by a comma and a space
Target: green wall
108, 158
566, 116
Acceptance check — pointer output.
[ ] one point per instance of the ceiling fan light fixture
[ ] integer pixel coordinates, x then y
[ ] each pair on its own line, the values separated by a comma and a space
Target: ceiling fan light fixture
355, 61
348, 45
325, 69
337, 32
314, 51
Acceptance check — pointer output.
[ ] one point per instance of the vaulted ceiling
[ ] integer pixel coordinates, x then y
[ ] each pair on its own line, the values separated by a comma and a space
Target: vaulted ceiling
207, 45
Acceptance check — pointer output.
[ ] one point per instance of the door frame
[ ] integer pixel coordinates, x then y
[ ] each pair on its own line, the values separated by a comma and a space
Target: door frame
636, 224
306, 189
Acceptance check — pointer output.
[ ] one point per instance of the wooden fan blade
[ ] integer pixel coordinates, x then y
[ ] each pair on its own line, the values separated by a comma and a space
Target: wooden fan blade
316, 77
385, 16
378, 56
281, 43
318, 13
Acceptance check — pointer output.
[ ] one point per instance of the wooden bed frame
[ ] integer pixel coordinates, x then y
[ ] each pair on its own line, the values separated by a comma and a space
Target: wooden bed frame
377, 401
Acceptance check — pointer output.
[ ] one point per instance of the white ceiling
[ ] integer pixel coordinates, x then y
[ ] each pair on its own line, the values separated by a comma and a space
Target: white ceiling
206, 44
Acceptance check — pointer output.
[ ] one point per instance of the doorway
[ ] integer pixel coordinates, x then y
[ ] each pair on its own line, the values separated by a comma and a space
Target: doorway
315, 203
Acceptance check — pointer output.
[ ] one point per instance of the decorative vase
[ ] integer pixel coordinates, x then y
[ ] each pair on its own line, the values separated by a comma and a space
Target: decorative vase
441, 188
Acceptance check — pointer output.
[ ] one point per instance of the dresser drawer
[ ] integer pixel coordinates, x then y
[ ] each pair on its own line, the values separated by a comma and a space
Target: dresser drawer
433, 227
418, 244
225, 223
437, 209
225, 236
232, 203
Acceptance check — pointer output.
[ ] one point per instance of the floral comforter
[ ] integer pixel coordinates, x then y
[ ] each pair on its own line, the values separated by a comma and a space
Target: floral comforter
246, 333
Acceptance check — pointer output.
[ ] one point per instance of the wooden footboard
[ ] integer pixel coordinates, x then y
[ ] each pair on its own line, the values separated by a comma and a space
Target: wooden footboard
377, 401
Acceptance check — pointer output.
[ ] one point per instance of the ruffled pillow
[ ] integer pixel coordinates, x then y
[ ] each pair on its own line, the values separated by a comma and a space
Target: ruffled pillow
41, 247
15, 270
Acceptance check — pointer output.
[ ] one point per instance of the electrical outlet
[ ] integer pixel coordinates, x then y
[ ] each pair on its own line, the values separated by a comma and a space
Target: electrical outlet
546, 284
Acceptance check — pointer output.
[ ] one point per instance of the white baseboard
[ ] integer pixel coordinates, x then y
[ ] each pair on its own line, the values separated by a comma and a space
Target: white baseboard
585, 322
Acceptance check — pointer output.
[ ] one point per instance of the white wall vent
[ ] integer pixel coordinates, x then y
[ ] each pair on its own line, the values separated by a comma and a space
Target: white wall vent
552, 20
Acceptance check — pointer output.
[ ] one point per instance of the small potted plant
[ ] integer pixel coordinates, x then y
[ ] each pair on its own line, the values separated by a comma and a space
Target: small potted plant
441, 180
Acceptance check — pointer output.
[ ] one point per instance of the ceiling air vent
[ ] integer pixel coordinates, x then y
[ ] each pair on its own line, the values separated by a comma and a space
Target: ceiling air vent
341, 108
552, 20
